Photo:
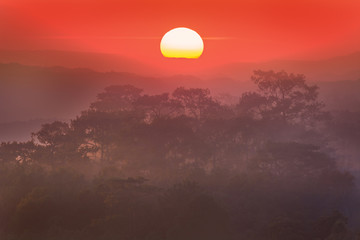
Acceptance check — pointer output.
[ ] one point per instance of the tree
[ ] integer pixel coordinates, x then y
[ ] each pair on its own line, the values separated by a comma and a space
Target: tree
293, 159
52, 134
17, 153
104, 133
158, 106
196, 102
283, 97
116, 98
58, 143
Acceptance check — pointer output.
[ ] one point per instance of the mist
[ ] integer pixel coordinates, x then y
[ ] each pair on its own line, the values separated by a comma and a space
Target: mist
134, 157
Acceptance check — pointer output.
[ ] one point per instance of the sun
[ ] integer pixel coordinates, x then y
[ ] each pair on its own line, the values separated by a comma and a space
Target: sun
181, 43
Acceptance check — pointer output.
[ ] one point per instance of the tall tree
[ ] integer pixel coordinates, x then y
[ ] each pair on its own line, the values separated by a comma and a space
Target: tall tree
116, 98
158, 106
282, 96
57, 142
196, 102
103, 132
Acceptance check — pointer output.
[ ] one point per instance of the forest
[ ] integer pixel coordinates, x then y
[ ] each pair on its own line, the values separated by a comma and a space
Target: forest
277, 165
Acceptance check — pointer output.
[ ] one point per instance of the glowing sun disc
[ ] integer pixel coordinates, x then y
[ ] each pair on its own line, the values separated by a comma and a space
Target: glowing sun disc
181, 43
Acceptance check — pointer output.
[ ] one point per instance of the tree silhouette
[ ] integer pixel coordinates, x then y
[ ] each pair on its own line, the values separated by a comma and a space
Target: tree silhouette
116, 98
158, 106
58, 143
184, 166
283, 97
196, 102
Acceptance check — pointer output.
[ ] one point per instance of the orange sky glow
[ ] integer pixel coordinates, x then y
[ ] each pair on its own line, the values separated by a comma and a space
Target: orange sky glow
233, 30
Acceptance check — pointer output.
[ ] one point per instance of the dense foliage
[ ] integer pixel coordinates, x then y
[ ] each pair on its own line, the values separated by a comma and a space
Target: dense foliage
184, 166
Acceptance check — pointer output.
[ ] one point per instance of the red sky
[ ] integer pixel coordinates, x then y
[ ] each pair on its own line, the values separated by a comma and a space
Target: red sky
233, 31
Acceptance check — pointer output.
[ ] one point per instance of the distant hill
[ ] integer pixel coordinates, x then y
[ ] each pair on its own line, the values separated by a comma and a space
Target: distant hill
96, 61
339, 68
28, 92
340, 95
333, 69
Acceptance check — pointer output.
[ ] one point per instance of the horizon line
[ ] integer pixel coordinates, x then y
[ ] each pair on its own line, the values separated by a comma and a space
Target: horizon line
124, 37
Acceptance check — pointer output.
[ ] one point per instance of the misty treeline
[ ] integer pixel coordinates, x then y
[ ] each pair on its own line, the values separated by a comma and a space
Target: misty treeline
186, 165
